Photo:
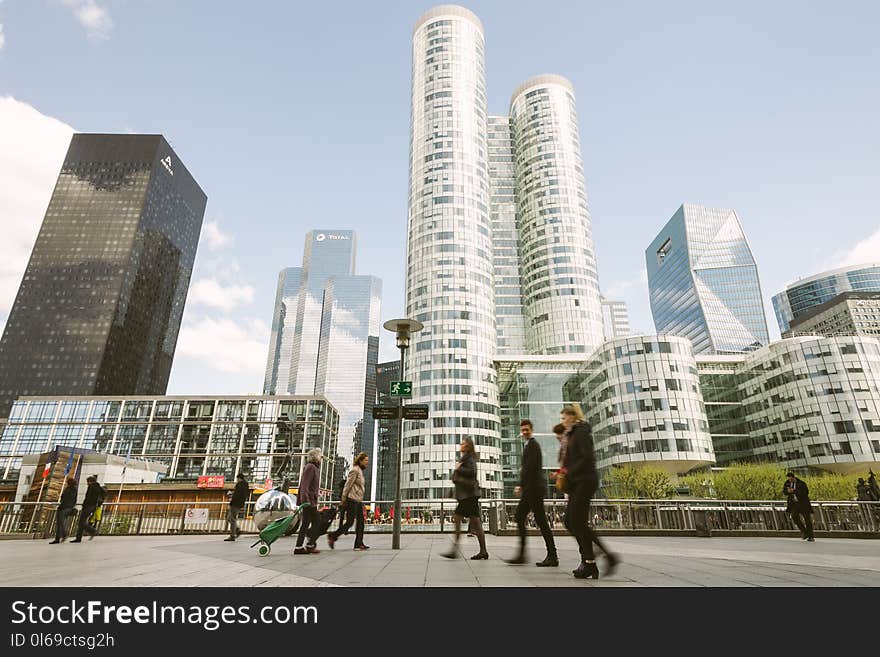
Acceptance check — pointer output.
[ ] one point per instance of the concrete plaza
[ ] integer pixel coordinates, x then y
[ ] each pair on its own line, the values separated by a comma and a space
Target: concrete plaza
647, 561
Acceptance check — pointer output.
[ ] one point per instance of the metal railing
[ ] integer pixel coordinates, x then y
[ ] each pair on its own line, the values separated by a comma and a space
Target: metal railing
37, 520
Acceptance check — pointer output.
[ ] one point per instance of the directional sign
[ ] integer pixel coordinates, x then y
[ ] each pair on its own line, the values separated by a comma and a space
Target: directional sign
385, 413
415, 412
401, 388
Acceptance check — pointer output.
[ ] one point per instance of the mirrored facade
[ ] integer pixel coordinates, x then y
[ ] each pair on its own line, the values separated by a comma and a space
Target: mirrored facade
804, 295
325, 334
386, 433
99, 308
192, 436
703, 282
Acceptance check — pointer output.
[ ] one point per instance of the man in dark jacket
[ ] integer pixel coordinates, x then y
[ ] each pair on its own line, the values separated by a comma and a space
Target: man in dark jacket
531, 498
236, 503
66, 508
93, 499
799, 505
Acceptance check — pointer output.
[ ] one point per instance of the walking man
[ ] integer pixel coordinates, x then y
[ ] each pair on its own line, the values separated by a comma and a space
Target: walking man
531, 498
66, 508
799, 505
352, 503
236, 503
93, 499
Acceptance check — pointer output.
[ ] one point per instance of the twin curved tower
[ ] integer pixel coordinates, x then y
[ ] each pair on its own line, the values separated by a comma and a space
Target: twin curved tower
500, 253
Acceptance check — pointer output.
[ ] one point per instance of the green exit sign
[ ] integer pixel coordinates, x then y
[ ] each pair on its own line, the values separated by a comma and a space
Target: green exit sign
401, 388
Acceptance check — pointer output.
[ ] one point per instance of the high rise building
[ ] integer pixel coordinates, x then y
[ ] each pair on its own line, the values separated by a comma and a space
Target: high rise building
560, 283
849, 313
615, 319
99, 308
385, 463
450, 273
325, 334
500, 250
703, 282
804, 295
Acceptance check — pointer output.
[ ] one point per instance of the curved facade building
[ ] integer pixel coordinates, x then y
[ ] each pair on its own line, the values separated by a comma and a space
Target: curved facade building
804, 295
560, 284
814, 402
642, 397
450, 278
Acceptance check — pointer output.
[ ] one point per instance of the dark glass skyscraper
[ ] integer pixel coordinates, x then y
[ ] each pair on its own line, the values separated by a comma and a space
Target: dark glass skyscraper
386, 433
100, 304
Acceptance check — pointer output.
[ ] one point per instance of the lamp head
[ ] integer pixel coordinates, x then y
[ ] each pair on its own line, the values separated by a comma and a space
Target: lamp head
403, 328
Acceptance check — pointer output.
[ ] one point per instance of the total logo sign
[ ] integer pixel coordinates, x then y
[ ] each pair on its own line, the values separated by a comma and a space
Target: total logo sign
166, 162
320, 237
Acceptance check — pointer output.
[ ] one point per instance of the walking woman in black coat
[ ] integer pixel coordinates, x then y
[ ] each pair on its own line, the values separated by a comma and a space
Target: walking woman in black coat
467, 492
582, 480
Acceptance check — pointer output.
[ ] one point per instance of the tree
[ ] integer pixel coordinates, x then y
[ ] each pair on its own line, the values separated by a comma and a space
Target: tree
630, 481
750, 481
701, 484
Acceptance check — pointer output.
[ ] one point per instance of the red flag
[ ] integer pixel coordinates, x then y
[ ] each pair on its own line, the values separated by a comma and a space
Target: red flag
46, 469
391, 512
376, 514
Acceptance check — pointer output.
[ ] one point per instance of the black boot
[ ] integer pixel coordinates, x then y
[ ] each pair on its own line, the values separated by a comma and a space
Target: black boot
519, 559
550, 561
586, 571
613, 562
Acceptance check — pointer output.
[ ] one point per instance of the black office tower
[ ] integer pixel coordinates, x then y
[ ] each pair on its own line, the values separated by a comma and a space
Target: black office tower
99, 308
386, 446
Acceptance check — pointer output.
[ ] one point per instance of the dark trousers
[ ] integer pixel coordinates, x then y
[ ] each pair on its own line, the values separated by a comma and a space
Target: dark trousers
535, 504
232, 520
84, 515
309, 526
354, 513
62, 519
804, 521
577, 520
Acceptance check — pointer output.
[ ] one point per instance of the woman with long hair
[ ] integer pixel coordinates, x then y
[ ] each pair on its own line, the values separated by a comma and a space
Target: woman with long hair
467, 492
582, 482
352, 504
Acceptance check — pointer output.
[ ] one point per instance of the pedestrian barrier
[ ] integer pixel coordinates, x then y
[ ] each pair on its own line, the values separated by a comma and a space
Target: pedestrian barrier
699, 517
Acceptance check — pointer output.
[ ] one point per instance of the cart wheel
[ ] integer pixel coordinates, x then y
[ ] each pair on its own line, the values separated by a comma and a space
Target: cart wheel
264, 550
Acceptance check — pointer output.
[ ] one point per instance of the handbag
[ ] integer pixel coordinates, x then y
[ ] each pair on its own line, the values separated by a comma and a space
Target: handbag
95, 518
561, 482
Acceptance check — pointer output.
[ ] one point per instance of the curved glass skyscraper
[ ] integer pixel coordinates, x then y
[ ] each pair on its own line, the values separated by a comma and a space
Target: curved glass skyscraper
450, 280
804, 295
560, 284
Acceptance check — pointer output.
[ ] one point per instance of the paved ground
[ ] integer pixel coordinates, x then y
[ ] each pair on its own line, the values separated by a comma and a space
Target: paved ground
647, 561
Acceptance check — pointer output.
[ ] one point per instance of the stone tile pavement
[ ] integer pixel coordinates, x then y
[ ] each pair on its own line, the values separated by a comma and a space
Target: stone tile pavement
647, 561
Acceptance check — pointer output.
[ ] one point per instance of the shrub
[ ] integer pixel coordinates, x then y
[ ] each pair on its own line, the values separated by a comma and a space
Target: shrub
629, 481
831, 487
750, 481
701, 484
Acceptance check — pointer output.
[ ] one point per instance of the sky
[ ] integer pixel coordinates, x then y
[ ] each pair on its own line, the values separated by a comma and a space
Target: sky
295, 115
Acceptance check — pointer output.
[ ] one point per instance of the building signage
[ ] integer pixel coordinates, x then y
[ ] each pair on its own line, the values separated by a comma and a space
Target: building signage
385, 412
211, 481
320, 237
415, 412
196, 517
166, 162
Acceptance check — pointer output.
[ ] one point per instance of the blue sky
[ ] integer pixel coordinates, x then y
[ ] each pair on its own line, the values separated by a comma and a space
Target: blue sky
293, 115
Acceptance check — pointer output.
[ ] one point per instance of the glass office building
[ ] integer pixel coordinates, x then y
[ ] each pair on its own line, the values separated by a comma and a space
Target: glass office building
192, 436
703, 282
509, 320
450, 270
804, 295
385, 463
560, 284
325, 334
849, 313
534, 388
615, 319
99, 308
641, 395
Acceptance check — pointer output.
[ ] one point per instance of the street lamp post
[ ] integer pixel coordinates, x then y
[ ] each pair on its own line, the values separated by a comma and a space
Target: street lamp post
402, 328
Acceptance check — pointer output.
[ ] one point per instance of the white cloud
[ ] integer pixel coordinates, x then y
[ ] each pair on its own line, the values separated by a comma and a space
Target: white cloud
225, 344
214, 236
211, 292
618, 289
92, 16
865, 250
32, 148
